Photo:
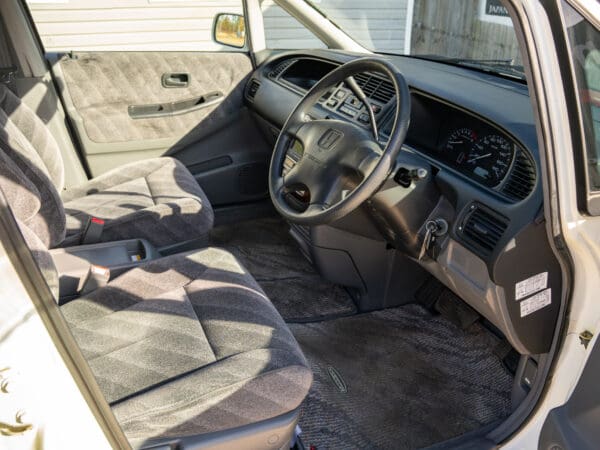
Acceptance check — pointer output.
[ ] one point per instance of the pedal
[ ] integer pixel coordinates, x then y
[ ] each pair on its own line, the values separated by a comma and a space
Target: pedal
452, 308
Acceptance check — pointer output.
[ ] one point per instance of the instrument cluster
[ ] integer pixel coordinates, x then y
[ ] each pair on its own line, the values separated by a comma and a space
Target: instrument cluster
484, 158
462, 141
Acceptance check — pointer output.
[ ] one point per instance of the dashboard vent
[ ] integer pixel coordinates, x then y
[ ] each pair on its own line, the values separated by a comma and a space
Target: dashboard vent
375, 88
521, 179
279, 68
483, 228
252, 89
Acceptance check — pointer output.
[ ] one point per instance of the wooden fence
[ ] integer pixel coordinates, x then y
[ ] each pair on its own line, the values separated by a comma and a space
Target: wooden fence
469, 37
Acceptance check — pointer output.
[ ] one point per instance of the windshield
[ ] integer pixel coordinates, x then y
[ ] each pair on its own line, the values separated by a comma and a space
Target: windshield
475, 33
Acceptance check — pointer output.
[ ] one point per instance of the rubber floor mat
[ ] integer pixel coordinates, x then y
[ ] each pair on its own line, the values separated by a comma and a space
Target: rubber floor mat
400, 378
273, 258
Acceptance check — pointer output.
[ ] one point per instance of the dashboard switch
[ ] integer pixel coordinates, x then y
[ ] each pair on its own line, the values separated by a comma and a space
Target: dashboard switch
348, 111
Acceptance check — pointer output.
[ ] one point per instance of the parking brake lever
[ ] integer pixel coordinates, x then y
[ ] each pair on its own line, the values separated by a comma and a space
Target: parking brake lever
356, 89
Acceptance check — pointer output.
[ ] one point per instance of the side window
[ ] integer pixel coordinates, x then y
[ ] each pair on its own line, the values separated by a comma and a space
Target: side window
584, 41
129, 25
282, 31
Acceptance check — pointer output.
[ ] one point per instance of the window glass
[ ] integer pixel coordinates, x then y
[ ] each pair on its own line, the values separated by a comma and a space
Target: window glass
126, 25
584, 40
476, 33
283, 31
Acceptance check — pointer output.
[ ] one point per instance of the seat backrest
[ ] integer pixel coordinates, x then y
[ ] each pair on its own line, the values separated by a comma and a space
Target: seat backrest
25, 141
46, 153
25, 202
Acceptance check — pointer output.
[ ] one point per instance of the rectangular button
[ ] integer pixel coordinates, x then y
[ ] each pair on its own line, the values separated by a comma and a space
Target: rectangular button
348, 111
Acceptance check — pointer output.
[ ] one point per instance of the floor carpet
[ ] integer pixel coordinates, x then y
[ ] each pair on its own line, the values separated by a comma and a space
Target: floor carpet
400, 378
273, 258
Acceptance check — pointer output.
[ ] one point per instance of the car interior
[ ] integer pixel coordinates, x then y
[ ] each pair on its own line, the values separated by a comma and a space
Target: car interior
285, 249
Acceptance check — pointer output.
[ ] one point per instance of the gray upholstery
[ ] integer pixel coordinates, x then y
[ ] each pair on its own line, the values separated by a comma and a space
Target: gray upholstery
42, 257
189, 344
156, 199
25, 202
50, 219
102, 85
183, 345
46, 154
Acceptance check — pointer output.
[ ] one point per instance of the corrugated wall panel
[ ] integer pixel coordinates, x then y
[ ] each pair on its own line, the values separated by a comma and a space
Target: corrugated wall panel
375, 24
167, 25
129, 24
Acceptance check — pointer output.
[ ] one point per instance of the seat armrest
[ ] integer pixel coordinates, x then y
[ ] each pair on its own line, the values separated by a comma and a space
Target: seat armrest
73, 263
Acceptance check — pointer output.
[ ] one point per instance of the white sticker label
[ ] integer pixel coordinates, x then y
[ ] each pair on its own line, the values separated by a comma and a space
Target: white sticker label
531, 285
535, 303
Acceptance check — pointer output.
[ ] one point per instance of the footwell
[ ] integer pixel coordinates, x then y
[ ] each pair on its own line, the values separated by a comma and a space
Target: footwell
272, 257
402, 378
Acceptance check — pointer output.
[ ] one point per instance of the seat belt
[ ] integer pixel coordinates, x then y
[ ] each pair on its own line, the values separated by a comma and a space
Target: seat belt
92, 231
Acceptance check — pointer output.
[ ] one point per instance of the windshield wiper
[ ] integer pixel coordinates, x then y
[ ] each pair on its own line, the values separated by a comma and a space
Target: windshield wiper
504, 67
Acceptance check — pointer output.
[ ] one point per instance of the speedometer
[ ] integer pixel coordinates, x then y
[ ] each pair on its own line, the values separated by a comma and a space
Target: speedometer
490, 158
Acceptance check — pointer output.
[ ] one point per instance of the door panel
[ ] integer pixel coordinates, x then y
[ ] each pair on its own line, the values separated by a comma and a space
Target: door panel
128, 106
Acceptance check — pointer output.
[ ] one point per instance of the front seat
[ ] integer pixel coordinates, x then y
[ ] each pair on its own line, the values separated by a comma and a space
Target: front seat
186, 348
156, 199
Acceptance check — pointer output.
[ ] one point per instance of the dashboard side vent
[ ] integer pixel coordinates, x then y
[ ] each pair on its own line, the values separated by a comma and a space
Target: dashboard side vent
521, 179
375, 87
252, 89
279, 68
483, 228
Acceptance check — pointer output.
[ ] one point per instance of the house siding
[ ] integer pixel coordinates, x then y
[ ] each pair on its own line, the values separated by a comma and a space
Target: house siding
171, 25
104, 25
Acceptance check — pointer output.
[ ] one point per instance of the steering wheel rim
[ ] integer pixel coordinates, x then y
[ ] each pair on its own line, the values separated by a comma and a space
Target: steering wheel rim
322, 159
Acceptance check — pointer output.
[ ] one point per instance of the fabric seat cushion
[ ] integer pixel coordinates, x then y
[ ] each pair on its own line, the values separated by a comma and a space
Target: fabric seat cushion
189, 344
156, 199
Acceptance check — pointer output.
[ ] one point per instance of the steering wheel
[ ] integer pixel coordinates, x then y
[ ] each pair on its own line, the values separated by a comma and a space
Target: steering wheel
341, 163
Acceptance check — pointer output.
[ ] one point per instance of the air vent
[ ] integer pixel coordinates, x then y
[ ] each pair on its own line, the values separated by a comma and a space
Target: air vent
375, 88
521, 179
483, 228
252, 89
279, 68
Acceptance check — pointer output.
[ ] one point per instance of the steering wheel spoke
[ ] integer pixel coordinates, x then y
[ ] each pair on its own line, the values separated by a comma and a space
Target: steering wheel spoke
363, 160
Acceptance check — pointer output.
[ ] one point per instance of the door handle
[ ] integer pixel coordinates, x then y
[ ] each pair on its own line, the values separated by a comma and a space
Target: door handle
175, 80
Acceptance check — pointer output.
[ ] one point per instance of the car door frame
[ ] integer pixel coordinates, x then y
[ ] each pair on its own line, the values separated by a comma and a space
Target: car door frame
569, 230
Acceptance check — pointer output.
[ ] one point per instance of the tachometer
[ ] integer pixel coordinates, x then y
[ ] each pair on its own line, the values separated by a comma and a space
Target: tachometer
490, 158
458, 145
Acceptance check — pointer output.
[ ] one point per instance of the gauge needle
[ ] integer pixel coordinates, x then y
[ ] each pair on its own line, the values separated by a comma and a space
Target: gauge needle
479, 157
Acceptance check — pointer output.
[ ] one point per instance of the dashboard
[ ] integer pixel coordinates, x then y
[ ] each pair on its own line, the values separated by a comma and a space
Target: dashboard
474, 134
451, 137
